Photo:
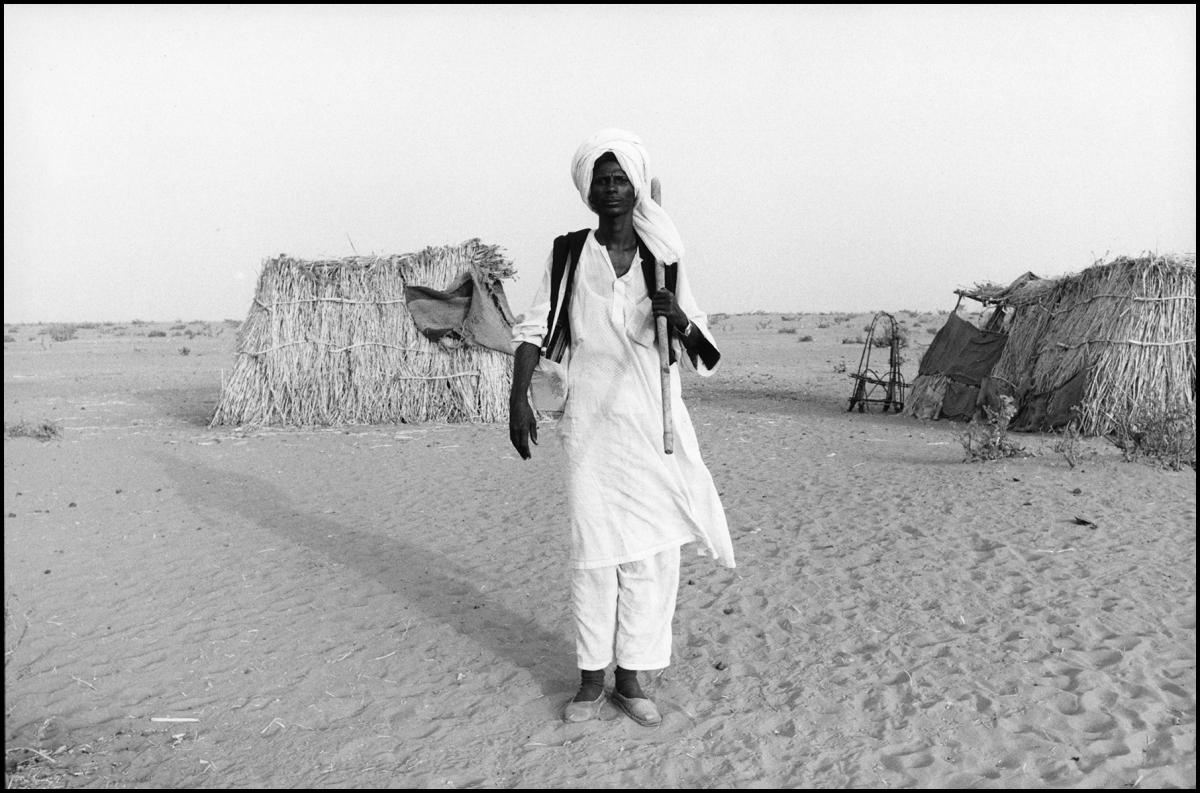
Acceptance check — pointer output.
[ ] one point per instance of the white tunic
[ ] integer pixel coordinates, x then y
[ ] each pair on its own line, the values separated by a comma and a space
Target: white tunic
628, 500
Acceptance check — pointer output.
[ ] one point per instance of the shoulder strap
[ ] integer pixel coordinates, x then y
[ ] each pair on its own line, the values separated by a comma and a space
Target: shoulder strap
562, 261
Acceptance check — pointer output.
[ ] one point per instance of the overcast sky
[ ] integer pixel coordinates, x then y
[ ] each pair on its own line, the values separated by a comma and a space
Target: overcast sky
814, 158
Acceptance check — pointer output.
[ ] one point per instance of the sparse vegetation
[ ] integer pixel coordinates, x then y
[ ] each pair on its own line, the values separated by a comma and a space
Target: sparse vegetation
61, 332
154, 334
989, 440
805, 338
1068, 443
789, 330
39, 430
1160, 437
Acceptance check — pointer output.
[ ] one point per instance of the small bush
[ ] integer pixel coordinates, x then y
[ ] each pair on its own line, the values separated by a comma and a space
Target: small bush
157, 334
788, 330
61, 332
988, 440
41, 430
884, 339
7, 339
1158, 437
931, 331
805, 338
184, 351
1068, 443
848, 340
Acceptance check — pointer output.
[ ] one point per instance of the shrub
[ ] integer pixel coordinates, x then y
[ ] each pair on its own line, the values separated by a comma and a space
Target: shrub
62, 332
884, 339
805, 338
1068, 442
1160, 437
184, 351
789, 330
8, 338
988, 440
157, 334
41, 430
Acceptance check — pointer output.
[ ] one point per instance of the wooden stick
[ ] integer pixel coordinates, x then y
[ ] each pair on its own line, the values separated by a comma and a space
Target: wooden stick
664, 340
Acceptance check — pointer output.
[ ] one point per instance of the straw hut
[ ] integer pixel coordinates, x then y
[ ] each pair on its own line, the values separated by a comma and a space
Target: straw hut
1104, 348
374, 340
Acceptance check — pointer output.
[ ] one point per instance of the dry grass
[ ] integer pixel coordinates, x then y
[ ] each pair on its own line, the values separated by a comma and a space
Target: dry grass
40, 430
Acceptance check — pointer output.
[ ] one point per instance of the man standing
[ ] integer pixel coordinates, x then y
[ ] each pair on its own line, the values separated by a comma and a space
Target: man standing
631, 506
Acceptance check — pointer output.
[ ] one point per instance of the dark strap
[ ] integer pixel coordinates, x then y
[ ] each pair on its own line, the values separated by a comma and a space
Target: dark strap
564, 257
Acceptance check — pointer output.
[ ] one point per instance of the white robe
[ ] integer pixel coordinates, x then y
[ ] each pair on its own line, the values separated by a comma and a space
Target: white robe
628, 500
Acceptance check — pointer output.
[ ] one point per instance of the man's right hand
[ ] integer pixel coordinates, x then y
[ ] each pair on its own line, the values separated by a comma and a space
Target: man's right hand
522, 426
522, 421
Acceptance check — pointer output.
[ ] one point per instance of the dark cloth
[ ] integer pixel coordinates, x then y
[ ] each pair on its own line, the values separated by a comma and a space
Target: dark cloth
963, 352
471, 311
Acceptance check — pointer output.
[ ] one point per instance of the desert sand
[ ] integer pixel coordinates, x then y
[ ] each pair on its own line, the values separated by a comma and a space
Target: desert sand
386, 606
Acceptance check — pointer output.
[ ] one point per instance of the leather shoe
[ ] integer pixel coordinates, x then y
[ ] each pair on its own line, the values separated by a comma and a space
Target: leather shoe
640, 709
583, 711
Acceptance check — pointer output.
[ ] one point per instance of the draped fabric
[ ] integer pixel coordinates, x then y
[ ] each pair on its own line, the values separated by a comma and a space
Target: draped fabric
650, 220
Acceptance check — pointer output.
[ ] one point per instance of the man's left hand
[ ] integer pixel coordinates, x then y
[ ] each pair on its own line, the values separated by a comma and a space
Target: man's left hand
665, 305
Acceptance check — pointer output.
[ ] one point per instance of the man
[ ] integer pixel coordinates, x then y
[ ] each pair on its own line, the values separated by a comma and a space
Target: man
631, 506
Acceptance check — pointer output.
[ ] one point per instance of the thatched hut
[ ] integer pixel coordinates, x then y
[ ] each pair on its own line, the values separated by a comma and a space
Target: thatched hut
336, 342
1104, 348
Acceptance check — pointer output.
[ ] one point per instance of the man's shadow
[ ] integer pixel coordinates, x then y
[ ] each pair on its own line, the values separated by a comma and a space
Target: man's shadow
435, 584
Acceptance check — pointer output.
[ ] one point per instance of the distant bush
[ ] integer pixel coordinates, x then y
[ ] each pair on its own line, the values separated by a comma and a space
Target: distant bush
848, 340
61, 332
805, 338
789, 317
7, 339
885, 339
154, 334
789, 330
178, 326
822, 324
931, 330
41, 430
184, 351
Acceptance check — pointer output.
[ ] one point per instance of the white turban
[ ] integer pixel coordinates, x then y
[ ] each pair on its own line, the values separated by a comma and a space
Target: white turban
650, 220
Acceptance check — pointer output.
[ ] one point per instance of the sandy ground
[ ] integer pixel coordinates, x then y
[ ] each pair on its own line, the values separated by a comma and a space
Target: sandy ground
387, 606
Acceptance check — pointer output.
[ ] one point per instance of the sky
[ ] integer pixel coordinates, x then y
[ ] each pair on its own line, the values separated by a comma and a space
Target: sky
814, 158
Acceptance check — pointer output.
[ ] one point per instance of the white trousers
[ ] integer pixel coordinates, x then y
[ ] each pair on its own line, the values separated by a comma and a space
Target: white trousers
626, 611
